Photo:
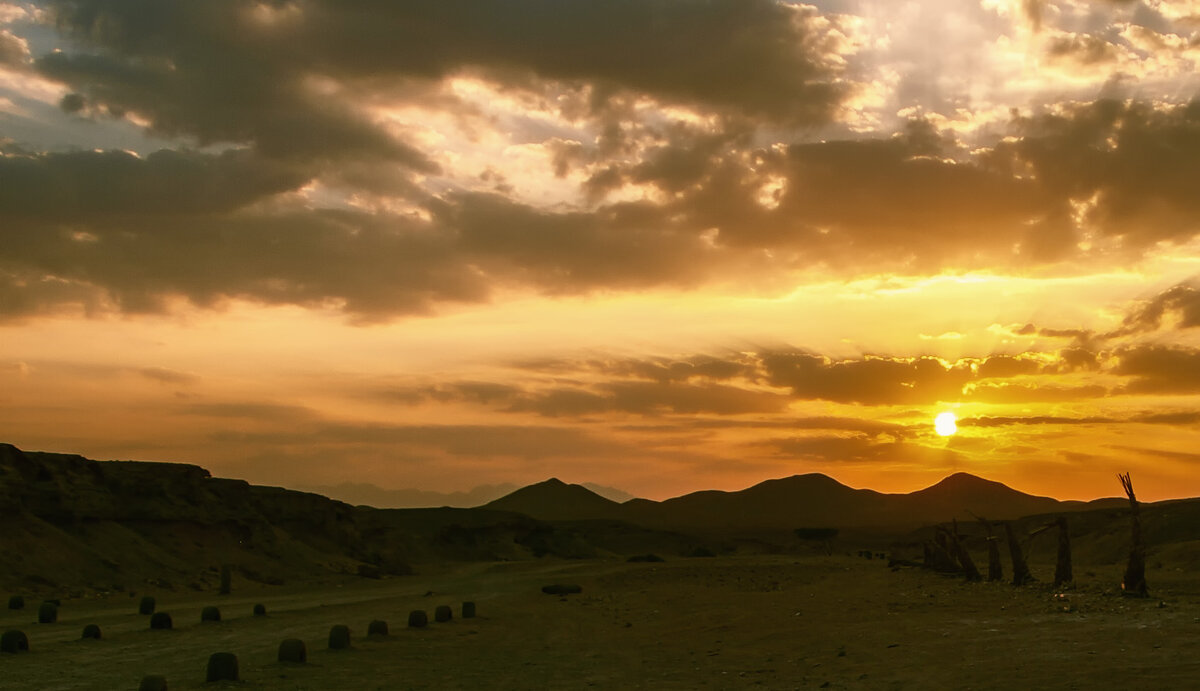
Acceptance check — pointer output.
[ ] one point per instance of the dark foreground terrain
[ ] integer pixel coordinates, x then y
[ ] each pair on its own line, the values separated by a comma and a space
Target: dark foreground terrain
771, 622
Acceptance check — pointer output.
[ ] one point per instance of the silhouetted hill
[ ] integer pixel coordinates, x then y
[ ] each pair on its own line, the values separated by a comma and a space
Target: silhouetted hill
72, 524
366, 494
555, 500
812, 500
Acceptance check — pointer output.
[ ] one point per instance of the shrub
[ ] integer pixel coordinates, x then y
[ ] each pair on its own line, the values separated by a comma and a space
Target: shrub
377, 628
645, 557
210, 613
293, 650
16, 602
14, 642
47, 613
562, 589
160, 620
468, 610
153, 682
339, 637
417, 619
91, 631
443, 613
222, 667
146, 606
260, 610
701, 552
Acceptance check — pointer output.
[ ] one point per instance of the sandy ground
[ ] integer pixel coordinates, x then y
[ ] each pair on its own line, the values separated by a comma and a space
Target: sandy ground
769, 622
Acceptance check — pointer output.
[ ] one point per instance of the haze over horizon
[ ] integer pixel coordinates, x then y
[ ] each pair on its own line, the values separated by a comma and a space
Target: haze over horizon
663, 247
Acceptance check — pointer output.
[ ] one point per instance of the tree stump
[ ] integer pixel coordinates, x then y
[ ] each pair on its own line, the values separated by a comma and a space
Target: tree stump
222, 667
160, 620
377, 627
16, 602
417, 619
1021, 574
146, 606
468, 610
1134, 582
260, 610
339, 637
1062, 567
47, 613
210, 613
91, 631
14, 642
443, 613
293, 650
153, 682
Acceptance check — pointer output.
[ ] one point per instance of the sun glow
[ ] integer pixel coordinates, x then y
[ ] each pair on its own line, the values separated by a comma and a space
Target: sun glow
945, 424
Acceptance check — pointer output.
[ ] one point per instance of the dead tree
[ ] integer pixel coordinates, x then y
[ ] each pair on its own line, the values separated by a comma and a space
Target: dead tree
959, 552
995, 570
1134, 583
1020, 569
1062, 568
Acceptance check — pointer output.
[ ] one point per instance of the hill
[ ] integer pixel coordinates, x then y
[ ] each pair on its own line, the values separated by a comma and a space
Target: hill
555, 500
812, 500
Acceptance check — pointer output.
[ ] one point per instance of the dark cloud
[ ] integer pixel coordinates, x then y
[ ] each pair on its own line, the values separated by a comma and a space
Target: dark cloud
1002, 421
1004, 366
1082, 50
1159, 369
166, 375
1033, 393
1182, 300
242, 73
871, 381
480, 441
1133, 157
87, 186
861, 448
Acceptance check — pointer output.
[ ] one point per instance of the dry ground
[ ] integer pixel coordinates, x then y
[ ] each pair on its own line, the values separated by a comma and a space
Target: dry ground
770, 622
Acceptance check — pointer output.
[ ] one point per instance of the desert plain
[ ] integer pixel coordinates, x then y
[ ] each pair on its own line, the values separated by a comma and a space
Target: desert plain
760, 621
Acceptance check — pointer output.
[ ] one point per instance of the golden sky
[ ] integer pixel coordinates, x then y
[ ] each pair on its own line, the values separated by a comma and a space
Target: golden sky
661, 246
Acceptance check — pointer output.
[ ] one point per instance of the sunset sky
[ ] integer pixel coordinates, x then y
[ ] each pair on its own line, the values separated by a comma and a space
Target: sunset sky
658, 245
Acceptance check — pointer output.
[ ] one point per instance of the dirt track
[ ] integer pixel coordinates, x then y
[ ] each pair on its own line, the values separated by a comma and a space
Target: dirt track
744, 622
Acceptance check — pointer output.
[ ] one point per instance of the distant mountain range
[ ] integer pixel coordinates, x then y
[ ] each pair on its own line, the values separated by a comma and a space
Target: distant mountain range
812, 500
366, 494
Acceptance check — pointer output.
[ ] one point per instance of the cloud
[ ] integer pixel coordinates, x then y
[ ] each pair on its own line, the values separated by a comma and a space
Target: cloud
1159, 369
1181, 301
870, 381
862, 448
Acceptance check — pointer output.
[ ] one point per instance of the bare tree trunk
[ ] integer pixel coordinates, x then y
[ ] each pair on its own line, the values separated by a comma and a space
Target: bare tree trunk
1134, 583
1021, 574
1062, 569
960, 553
995, 571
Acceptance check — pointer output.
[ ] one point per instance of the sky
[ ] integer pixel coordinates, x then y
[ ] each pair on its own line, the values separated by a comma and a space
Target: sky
658, 245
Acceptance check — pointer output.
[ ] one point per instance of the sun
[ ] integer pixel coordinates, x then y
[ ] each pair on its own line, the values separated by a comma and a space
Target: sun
944, 424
